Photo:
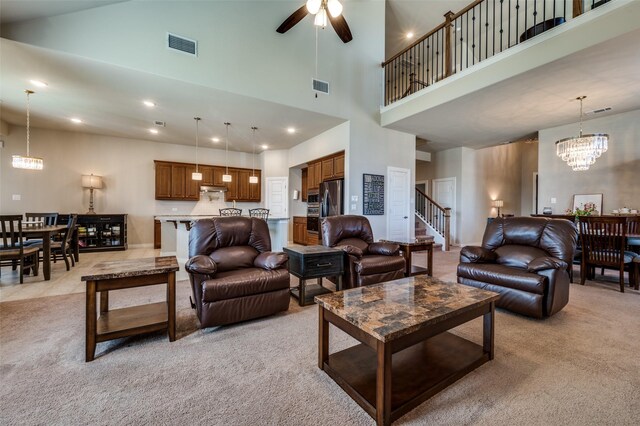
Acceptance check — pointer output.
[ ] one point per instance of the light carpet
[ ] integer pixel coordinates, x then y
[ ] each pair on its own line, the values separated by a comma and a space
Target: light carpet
581, 366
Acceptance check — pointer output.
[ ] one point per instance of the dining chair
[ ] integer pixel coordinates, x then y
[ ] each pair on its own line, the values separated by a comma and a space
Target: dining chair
231, 211
633, 233
47, 219
13, 249
603, 244
260, 213
63, 247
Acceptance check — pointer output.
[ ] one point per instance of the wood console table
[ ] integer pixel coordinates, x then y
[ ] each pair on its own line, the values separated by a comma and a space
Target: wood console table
407, 248
132, 320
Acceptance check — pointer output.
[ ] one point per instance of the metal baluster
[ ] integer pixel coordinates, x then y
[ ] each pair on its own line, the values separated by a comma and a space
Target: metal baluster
517, 20
494, 28
509, 26
486, 30
535, 15
501, 24
473, 33
526, 13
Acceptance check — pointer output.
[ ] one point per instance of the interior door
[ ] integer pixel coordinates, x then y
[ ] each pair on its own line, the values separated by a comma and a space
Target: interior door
444, 193
276, 197
399, 217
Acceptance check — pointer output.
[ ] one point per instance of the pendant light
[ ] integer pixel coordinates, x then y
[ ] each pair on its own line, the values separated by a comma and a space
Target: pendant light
582, 151
28, 162
196, 175
253, 178
226, 177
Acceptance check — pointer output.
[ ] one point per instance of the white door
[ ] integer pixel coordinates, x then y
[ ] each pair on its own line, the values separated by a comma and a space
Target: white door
399, 217
276, 196
444, 193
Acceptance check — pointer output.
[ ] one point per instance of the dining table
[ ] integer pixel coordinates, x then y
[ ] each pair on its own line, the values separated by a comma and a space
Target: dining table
45, 233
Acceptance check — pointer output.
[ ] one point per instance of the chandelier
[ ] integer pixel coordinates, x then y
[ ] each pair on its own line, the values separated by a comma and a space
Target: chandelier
28, 162
582, 151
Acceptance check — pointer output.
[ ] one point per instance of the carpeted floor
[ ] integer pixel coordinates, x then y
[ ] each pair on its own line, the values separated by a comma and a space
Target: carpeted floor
580, 367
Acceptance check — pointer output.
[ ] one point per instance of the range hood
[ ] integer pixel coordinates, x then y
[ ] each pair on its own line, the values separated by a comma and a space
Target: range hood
207, 188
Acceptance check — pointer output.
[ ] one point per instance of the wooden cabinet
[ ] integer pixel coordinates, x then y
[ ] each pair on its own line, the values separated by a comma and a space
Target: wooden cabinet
99, 232
338, 165
312, 239
300, 230
173, 182
333, 167
157, 234
305, 183
327, 169
314, 176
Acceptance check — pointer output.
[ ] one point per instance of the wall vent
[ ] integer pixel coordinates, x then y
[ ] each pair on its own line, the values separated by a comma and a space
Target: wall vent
320, 86
159, 123
182, 44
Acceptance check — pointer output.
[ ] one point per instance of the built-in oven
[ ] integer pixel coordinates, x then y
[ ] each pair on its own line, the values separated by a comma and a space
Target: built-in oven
313, 211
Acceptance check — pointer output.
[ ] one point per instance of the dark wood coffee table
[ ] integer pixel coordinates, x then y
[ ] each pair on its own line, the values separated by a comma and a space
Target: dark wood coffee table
309, 262
405, 320
117, 323
407, 248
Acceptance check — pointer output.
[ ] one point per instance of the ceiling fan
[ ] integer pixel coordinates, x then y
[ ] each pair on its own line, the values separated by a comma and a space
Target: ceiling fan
323, 10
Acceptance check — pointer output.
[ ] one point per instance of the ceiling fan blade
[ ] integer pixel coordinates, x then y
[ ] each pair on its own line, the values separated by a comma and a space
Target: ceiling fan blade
293, 19
339, 24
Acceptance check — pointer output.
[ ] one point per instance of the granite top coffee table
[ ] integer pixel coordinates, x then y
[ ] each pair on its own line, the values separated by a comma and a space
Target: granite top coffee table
407, 319
117, 323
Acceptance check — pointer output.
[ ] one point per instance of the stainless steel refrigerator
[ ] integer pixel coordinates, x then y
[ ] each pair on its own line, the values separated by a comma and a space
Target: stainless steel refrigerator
331, 198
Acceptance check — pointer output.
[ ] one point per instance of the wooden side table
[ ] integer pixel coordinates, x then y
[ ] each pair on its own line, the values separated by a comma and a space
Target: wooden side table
308, 262
132, 320
407, 248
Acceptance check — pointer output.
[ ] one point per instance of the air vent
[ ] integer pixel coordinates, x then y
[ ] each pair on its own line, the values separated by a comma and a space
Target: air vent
598, 111
182, 44
320, 86
159, 123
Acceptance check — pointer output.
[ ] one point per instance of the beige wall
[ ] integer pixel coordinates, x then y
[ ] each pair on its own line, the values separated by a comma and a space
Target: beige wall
529, 152
615, 174
126, 165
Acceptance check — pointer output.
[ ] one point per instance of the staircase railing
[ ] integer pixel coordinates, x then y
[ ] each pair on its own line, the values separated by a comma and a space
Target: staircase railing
435, 215
479, 31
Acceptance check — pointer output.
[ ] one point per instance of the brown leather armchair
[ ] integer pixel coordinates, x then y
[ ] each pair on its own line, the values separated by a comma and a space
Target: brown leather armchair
366, 262
234, 275
525, 259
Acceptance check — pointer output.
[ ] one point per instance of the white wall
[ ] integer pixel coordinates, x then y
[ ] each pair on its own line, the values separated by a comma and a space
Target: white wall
615, 174
126, 165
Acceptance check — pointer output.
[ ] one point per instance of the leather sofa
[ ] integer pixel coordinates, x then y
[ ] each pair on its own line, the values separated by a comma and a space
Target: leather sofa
366, 262
234, 275
525, 259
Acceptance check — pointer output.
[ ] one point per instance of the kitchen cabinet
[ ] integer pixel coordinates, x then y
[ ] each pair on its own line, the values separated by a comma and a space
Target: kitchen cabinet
163, 181
314, 175
239, 189
338, 165
178, 180
300, 230
327, 169
191, 187
207, 174
157, 234
305, 183
312, 239
232, 187
333, 167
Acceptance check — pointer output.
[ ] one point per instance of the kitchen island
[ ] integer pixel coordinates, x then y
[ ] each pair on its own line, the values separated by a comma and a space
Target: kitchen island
175, 236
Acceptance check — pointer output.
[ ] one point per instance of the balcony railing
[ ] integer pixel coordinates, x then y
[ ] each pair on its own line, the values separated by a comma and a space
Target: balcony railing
479, 31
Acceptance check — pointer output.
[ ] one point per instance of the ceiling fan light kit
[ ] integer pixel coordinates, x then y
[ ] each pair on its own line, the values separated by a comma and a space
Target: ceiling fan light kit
325, 11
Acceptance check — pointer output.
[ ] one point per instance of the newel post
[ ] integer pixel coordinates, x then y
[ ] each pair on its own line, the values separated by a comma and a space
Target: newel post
447, 228
447, 43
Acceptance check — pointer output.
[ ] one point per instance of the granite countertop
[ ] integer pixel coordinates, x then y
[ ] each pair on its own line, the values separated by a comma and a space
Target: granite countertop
132, 268
394, 309
185, 217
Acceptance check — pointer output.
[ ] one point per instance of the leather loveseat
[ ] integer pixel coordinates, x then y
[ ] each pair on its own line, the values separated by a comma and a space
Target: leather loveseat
366, 262
525, 259
234, 275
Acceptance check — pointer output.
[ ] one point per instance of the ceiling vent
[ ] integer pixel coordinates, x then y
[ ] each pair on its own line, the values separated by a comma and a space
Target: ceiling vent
159, 123
182, 44
598, 111
320, 86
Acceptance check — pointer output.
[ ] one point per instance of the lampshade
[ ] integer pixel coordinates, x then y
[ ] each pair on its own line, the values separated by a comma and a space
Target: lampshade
92, 181
321, 19
226, 178
196, 176
27, 162
335, 8
498, 203
582, 151
253, 179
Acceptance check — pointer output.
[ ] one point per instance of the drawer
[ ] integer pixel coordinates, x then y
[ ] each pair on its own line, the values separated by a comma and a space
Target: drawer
325, 265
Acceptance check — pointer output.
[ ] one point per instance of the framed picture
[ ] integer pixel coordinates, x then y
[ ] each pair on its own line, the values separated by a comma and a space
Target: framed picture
579, 200
373, 194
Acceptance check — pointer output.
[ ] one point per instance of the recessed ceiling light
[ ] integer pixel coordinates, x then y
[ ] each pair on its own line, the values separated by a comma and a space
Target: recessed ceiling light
265, 146
409, 34
291, 130
76, 120
153, 131
149, 104
216, 140
39, 83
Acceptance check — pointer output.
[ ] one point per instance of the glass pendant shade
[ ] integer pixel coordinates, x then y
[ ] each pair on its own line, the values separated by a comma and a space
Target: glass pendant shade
321, 19
196, 176
582, 151
226, 178
27, 162
253, 179
335, 8
313, 6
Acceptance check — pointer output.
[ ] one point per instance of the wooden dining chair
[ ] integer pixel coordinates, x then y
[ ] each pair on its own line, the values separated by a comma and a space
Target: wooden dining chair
231, 211
259, 212
603, 244
47, 219
13, 250
63, 247
633, 233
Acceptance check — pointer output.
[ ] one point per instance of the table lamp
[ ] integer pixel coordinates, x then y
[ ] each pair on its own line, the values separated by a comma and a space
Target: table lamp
499, 204
92, 182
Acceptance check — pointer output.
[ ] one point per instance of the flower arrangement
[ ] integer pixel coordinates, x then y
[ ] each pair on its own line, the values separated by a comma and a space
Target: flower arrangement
587, 209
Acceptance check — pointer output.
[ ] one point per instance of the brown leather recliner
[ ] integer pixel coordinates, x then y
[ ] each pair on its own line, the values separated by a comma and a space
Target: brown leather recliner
525, 259
366, 262
234, 275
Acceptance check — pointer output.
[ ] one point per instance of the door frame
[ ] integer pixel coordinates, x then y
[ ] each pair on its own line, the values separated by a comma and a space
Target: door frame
454, 208
410, 214
286, 191
427, 188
